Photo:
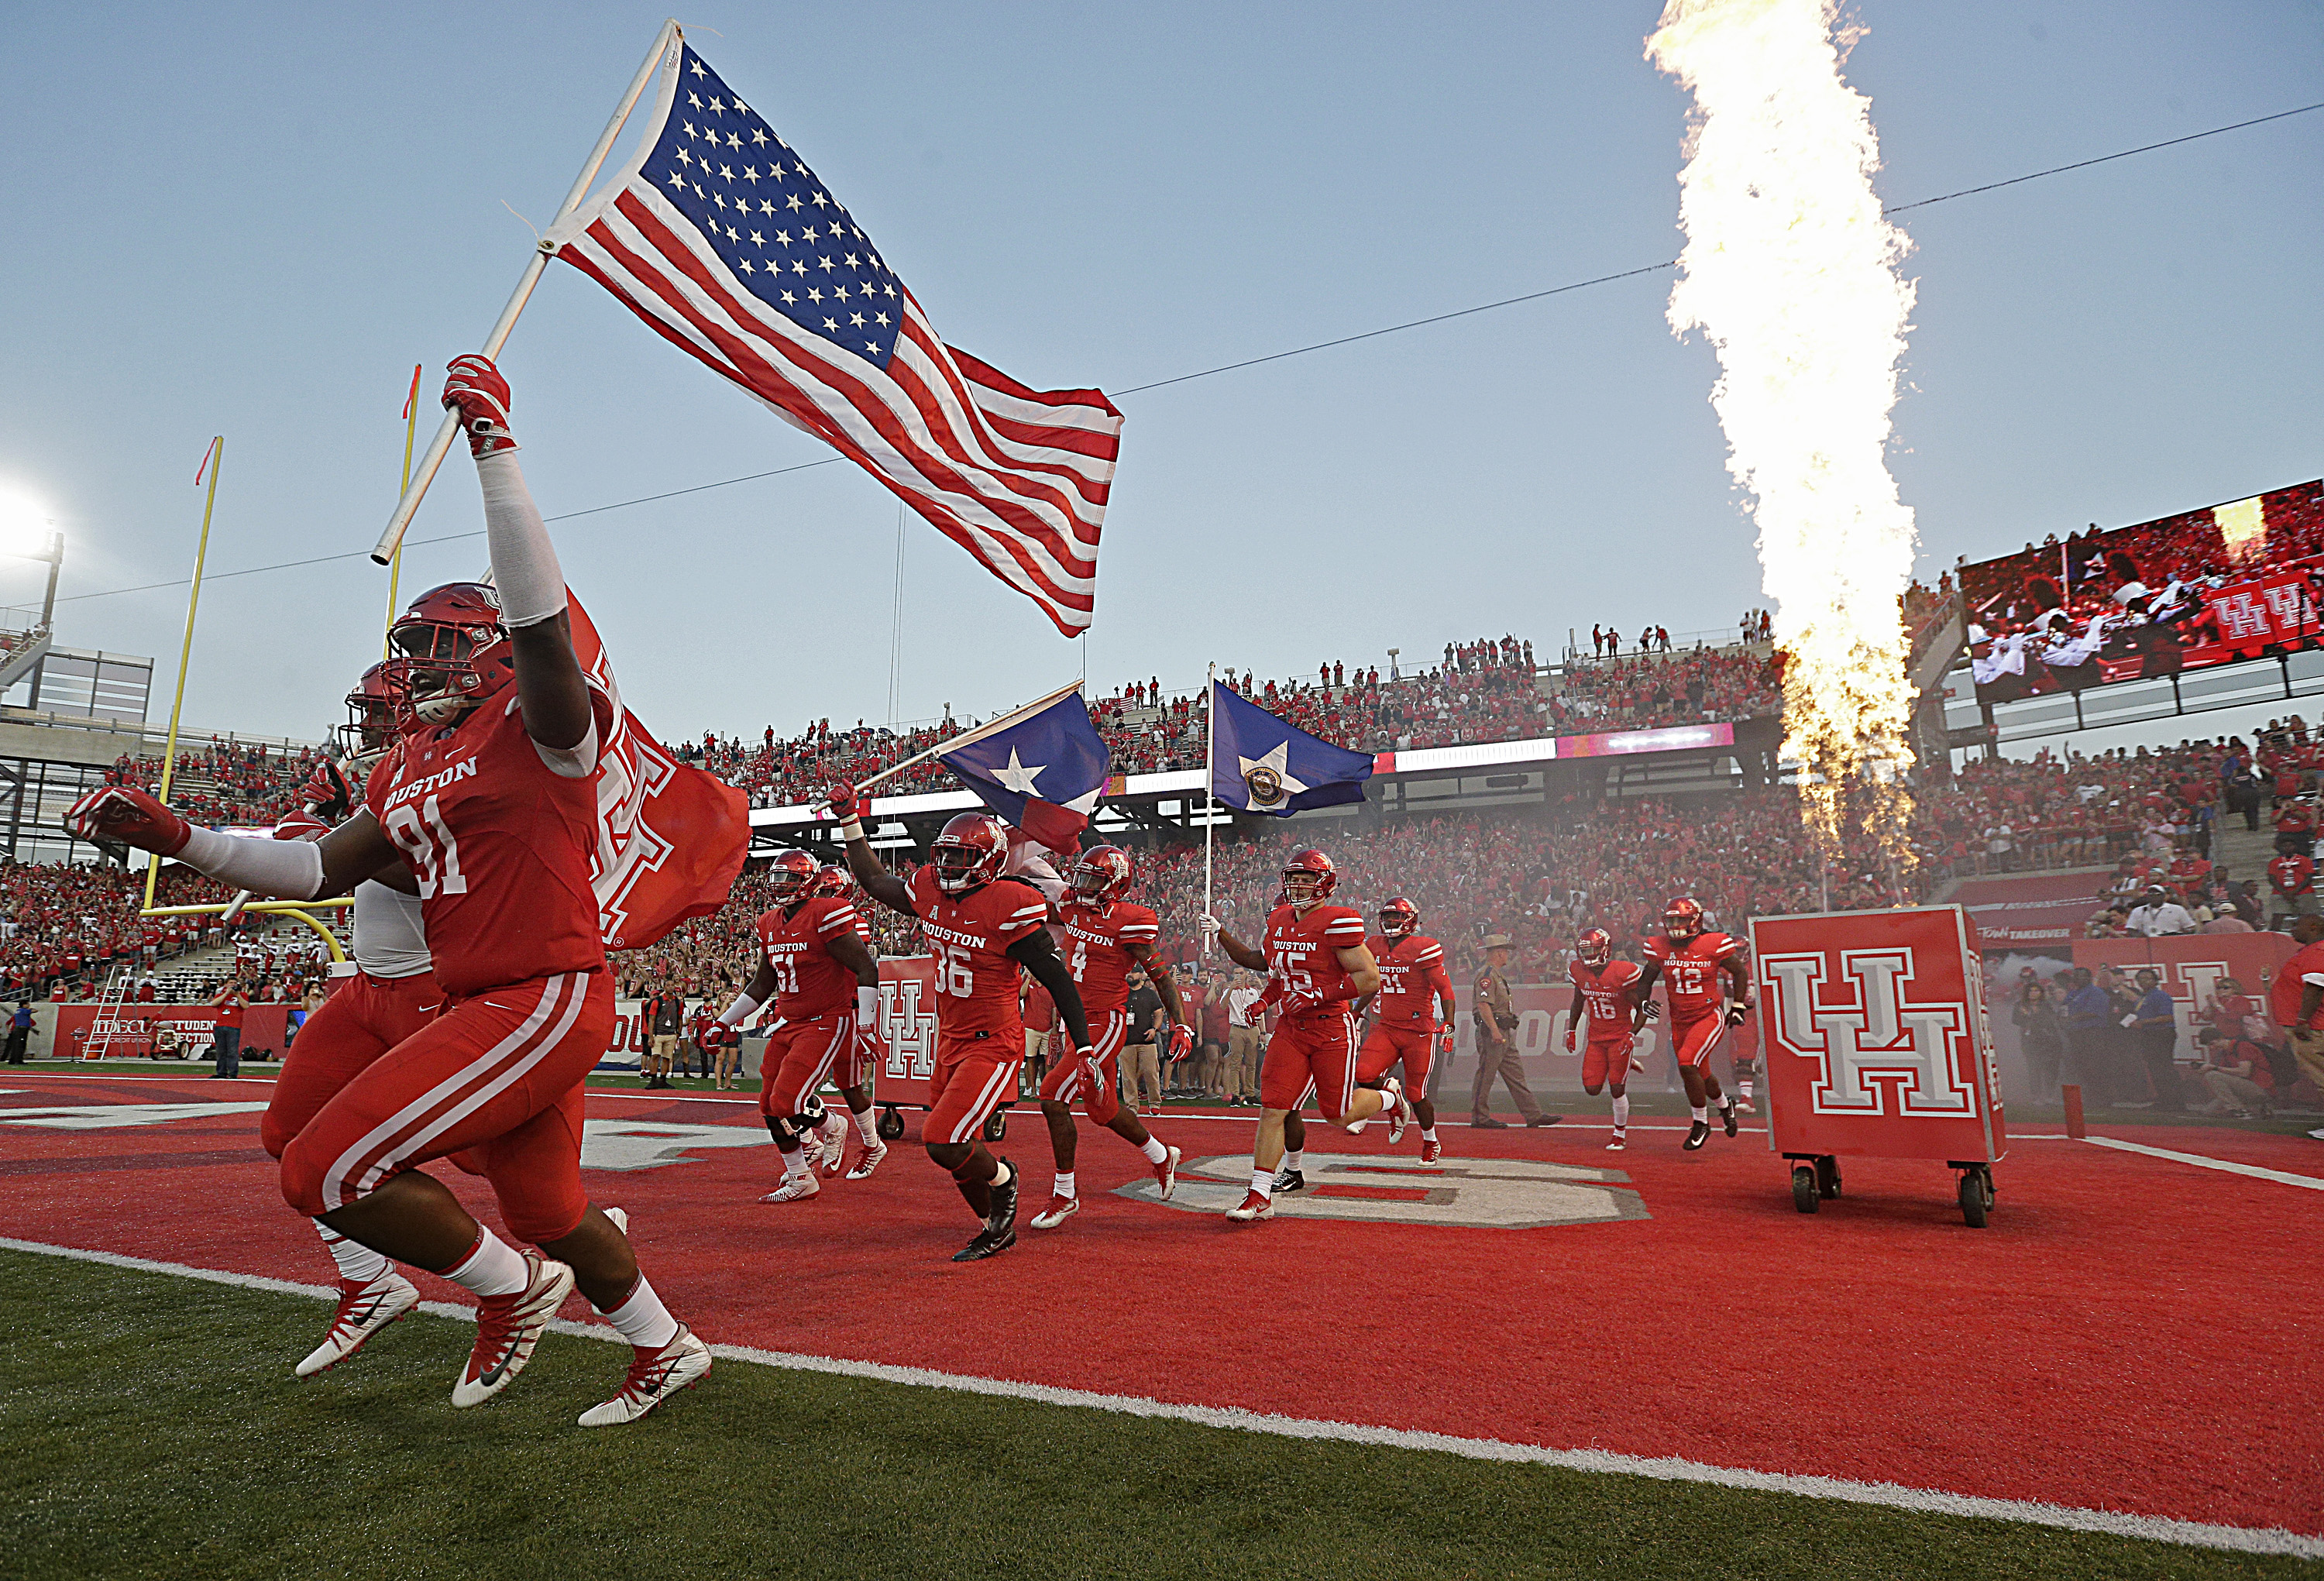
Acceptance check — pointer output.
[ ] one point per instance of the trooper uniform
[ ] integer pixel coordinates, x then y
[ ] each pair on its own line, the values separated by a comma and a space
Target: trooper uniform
1493, 1010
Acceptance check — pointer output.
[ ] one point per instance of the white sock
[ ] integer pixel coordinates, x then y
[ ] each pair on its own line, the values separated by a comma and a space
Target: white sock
1001, 1177
1293, 1160
1064, 1187
867, 1127
1746, 1087
794, 1161
1622, 1113
1154, 1151
1702, 1116
642, 1319
1428, 1133
358, 1263
492, 1267
1263, 1182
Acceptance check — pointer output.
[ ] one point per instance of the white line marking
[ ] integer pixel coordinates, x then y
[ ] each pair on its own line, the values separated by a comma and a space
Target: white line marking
2280, 1176
2249, 1540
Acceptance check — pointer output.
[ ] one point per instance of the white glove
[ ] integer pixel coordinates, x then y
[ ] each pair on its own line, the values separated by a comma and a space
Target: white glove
1210, 925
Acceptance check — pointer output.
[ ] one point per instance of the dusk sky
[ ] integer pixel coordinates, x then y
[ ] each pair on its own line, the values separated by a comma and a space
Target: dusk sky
255, 221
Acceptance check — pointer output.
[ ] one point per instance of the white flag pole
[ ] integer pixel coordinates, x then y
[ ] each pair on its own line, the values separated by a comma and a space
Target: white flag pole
416, 489
968, 737
1210, 783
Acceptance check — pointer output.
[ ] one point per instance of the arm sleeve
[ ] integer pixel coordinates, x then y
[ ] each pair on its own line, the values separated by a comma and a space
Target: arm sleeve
1049, 970
524, 563
291, 869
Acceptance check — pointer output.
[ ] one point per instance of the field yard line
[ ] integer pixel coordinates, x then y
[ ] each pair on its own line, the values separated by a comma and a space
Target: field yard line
2250, 1539
2281, 1177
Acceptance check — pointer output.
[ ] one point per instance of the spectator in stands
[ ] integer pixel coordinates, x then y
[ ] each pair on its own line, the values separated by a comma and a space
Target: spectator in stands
2291, 874
2158, 914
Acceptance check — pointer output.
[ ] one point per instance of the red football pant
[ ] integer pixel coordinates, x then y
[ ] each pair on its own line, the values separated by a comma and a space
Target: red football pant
499, 1076
363, 1017
973, 1076
1384, 1046
1602, 1062
1069, 1080
1320, 1054
1693, 1040
799, 1055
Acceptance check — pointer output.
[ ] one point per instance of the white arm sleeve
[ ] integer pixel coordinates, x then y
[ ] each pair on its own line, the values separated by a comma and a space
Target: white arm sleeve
524, 563
737, 1013
290, 869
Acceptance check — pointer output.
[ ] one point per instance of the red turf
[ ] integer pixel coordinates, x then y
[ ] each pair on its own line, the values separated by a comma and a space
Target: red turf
2130, 1333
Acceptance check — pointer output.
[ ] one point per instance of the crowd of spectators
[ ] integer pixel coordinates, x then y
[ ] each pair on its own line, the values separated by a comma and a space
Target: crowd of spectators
1701, 687
63, 925
233, 784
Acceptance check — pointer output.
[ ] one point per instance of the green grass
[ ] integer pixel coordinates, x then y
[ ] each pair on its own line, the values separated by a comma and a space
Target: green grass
151, 1429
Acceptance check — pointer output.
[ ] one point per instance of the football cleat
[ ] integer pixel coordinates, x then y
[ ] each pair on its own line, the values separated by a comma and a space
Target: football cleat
794, 1189
987, 1241
621, 1218
1252, 1206
1004, 1205
1166, 1174
1620, 1141
868, 1161
508, 1327
1726, 1116
1697, 1135
1430, 1152
832, 1138
1399, 1111
1290, 1181
654, 1376
1060, 1208
1743, 1106
364, 1310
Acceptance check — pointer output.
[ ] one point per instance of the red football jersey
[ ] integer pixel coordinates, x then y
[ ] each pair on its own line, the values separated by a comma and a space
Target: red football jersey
808, 982
1412, 976
1303, 952
1691, 972
1096, 937
500, 845
970, 935
1608, 995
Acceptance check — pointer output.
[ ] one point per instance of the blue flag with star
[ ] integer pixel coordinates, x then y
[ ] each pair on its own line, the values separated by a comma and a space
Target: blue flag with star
1259, 764
1042, 773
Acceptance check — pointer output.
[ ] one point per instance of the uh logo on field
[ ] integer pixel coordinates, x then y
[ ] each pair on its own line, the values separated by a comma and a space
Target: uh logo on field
1877, 1042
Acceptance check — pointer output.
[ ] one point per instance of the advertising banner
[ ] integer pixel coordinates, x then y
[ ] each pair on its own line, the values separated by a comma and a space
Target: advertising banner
133, 1035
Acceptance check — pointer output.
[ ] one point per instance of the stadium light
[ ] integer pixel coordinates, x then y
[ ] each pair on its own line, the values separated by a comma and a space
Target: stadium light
28, 533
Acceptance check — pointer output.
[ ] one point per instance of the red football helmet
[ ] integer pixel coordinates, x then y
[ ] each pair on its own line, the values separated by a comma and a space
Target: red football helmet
1399, 917
1682, 918
1594, 947
369, 730
1103, 872
834, 880
1308, 876
455, 654
970, 853
790, 879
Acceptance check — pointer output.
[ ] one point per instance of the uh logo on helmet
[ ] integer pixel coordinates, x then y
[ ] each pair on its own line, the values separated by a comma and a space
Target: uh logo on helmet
454, 653
1308, 879
970, 851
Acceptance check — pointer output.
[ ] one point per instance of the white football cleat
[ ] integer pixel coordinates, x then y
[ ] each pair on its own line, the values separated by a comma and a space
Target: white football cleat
1166, 1174
1743, 1106
1401, 1116
1252, 1206
832, 1137
621, 1218
867, 1161
794, 1189
364, 1310
508, 1327
1620, 1141
653, 1378
1060, 1208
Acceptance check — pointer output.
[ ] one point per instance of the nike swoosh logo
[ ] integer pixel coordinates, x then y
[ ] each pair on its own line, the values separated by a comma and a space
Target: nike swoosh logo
492, 1374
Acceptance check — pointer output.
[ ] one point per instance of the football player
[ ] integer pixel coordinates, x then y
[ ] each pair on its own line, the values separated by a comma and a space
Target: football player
1105, 938
490, 800
1404, 1024
982, 925
1317, 964
1608, 994
825, 986
1691, 963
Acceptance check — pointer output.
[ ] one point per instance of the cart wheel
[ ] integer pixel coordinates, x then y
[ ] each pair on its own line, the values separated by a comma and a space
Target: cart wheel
1827, 1171
996, 1127
1973, 1200
891, 1124
1804, 1189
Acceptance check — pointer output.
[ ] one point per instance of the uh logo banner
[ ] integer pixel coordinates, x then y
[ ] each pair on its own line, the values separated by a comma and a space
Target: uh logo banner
1877, 1041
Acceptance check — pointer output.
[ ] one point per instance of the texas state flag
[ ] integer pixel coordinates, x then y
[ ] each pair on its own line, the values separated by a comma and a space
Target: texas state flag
1259, 764
1044, 773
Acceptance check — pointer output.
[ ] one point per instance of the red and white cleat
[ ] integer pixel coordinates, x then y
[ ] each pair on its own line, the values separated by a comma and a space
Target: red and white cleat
1743, 1106
831, 1136
795, 1188
1252, 1206
364, 1310
1060, 1208
1166, 1174
1430, 1152
654, 1376
867, 1161
1621, 1140
1401, 1116
508, 1327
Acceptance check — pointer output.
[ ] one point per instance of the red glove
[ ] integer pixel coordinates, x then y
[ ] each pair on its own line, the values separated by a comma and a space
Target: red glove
848, 805
1182, 1040
326, 791
301, 826
130, 815
475, 389
1452, 1034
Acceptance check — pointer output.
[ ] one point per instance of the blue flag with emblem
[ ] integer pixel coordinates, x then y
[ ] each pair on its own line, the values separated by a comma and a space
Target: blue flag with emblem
1259, 764
1043, 773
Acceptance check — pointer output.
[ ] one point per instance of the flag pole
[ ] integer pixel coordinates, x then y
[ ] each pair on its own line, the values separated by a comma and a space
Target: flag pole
1210, 782
395, 565
967, 737
215, 461
416, 489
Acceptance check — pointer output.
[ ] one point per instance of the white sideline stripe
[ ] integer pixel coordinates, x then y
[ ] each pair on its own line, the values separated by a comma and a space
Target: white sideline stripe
2249, 1540
2281, 1177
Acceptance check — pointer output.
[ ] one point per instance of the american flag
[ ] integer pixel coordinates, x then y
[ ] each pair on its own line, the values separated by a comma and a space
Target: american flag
722, 241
